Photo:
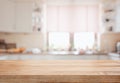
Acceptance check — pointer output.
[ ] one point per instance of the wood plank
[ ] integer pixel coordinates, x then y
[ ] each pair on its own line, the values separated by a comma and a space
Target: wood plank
84, 71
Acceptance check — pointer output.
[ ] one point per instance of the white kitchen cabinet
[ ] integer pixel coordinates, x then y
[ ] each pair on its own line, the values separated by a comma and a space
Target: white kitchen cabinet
23, 16
7, 16
117, 29
16, 16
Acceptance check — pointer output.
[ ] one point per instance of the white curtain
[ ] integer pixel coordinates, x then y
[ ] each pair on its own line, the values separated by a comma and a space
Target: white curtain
73, 18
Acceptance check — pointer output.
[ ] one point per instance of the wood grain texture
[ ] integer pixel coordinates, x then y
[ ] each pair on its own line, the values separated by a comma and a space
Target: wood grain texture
71, 71
108, 41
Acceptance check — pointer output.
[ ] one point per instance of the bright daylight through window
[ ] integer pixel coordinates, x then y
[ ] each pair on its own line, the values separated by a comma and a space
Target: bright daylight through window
72, 26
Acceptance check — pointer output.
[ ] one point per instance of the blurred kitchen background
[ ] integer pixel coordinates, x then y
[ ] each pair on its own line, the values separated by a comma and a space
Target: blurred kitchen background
76, 27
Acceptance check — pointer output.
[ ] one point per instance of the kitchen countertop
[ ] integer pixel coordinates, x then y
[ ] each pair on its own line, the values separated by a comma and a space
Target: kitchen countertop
47, 53
92, 71
114, 53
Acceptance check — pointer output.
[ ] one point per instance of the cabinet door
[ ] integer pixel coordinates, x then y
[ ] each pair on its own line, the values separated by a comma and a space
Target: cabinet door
7, 16
24, 16
117, 29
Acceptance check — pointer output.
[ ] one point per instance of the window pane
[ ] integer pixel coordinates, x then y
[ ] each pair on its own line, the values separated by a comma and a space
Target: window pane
84, 40
59, 41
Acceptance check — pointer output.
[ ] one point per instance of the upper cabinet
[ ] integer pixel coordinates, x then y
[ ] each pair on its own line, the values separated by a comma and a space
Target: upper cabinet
23, 11
117, 29
19, 16
7, 16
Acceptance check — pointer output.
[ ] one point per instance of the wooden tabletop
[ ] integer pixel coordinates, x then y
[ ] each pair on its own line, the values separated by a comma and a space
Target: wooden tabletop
61, 71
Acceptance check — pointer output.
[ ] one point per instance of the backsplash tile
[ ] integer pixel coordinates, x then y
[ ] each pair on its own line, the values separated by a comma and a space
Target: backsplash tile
32, 40
109, 41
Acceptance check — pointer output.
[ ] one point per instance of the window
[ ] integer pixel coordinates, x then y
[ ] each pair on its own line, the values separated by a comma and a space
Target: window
84, 40
82, 21
58, 41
